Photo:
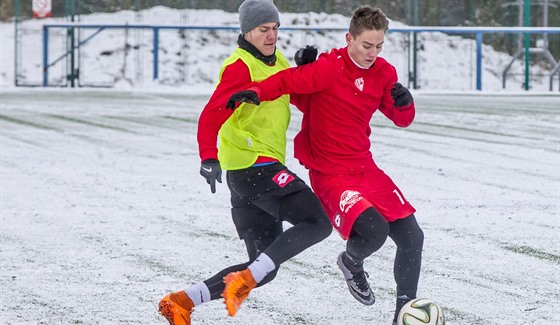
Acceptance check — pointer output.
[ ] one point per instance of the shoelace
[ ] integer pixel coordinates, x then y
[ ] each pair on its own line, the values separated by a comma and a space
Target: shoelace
242, 291
361, 280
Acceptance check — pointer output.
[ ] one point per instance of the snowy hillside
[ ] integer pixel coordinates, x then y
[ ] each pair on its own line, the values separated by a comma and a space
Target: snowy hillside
193, 58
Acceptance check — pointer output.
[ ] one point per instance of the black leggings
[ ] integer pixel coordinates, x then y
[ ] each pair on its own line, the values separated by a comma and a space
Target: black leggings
259, 205
254, 247
369, 233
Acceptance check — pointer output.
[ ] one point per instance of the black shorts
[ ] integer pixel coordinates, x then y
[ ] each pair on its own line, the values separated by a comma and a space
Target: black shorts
256, 197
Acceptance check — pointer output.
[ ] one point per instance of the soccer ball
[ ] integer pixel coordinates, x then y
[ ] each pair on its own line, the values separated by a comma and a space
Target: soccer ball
421, 311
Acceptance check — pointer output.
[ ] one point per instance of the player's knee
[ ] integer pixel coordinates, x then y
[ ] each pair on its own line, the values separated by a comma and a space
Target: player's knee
416, 235
305, 207
418, 238
371, 229
371, 224
322, 224
319, 220
411, 235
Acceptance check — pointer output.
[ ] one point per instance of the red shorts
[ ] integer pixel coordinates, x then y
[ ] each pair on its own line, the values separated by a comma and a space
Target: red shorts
346, 196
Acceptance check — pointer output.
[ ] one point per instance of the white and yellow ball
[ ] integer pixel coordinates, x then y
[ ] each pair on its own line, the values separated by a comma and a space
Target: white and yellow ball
421, 311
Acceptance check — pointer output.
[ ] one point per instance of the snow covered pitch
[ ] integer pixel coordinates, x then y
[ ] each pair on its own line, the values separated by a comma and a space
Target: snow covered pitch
103, 212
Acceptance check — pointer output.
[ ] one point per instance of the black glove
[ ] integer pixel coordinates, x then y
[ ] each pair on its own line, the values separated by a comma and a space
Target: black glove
401, 95
305, 55
211, 170
246, 96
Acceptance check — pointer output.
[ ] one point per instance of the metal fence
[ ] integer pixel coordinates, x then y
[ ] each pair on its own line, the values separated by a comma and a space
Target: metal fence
66, 61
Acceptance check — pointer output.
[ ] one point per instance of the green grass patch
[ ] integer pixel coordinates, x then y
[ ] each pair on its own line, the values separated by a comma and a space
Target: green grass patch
182, 119
27, 123
75, 120
529, 251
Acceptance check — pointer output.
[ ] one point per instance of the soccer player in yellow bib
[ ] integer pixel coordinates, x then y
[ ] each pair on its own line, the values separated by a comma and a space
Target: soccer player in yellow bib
252, 149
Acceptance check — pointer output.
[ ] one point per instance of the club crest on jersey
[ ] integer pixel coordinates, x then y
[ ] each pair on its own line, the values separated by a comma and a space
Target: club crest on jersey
283, 178
348, 199
359, 83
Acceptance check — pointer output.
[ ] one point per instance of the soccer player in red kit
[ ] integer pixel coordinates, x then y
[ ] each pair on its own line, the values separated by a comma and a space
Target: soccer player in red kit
346, 87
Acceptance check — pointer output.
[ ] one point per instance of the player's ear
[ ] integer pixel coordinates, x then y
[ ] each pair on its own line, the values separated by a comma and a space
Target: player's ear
348, 38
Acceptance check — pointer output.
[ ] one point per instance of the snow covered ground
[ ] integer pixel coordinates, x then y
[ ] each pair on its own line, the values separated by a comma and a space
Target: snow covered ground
103, 212
102, 209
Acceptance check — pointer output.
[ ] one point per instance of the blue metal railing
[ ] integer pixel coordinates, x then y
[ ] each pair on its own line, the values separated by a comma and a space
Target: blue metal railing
477, 31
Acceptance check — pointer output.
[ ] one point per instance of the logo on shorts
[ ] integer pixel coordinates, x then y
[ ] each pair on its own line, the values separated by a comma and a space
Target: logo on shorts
348, 199
283, 178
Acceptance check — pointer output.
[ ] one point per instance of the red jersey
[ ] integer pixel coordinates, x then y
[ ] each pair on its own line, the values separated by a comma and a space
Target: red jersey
234, 78
334, 138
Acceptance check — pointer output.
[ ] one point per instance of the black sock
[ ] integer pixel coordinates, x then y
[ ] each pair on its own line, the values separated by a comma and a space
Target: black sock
353, 262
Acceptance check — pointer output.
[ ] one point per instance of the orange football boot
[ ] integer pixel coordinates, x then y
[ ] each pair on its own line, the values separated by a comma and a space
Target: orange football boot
238, 286
177, 307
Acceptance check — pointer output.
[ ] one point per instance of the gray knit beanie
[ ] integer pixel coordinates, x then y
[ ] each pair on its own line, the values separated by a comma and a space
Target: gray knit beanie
253, 13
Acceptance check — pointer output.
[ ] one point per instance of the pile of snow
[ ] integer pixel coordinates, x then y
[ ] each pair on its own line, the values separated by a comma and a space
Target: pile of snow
124, 59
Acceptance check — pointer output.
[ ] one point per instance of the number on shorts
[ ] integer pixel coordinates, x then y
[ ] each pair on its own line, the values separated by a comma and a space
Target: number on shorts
337, 220
399, 196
